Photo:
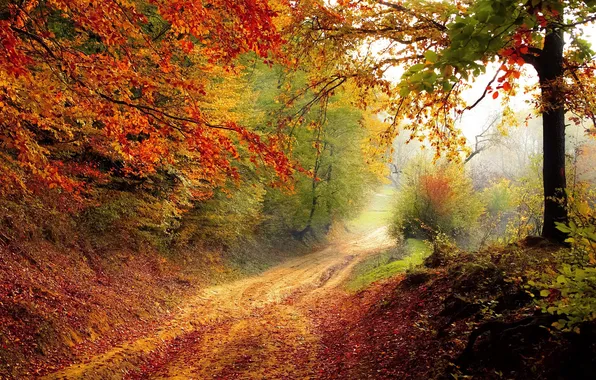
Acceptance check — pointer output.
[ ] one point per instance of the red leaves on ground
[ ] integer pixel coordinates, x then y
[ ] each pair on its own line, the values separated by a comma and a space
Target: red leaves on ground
59, 307
385, 332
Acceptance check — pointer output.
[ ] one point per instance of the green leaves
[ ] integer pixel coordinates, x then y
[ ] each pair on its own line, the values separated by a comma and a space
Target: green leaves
572, 295
581, 237
431, 56
404, 91
416, 68
422, 76
580, 50
482, 32
562, 227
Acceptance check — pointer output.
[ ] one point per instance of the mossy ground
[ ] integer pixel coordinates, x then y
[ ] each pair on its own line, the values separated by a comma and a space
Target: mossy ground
389, 263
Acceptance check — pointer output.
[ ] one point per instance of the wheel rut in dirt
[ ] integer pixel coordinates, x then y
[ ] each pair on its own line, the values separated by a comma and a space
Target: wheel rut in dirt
253, 328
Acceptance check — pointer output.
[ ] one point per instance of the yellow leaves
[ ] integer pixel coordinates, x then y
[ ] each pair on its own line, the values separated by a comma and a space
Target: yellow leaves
584, 209
120, 87
509, 119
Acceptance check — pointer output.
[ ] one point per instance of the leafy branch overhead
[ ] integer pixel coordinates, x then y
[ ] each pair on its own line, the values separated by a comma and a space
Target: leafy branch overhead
139, 84
92, 91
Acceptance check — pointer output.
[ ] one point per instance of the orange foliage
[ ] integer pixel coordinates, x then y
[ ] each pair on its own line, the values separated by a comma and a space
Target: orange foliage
438, 191
91, 88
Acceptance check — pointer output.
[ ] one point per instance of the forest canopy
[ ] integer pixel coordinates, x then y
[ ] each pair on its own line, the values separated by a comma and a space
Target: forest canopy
150, 96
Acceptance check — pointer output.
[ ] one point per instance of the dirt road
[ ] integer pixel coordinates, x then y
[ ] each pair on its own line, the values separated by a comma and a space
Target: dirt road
255, 328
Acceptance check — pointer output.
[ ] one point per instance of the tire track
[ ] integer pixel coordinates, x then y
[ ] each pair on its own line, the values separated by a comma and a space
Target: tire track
254, 328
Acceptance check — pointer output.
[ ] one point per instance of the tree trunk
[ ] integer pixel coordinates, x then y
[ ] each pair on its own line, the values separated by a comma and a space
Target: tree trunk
330, 196
315, 183
550, 70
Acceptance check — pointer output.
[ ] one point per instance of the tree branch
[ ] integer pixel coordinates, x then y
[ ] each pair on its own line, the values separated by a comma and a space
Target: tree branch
485, 91
37, 38
401, 8
481, 138
573, 24
151, 111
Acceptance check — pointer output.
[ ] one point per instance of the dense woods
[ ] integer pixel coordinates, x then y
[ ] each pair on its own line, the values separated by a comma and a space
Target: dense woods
150, 149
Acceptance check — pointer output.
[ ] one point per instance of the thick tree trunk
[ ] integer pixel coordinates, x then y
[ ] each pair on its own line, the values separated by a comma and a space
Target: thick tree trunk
550, 70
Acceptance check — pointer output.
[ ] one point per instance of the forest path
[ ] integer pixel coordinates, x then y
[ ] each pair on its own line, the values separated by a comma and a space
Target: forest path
254, 328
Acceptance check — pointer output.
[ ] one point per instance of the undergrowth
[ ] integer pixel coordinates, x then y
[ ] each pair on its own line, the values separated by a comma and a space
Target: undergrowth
463, 315
388, 263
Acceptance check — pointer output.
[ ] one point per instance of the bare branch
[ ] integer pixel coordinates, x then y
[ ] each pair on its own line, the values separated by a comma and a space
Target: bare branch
482, 138
485, 91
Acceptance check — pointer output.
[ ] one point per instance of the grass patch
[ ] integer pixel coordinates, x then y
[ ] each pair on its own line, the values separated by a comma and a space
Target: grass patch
371, 219
378, 212
388, 263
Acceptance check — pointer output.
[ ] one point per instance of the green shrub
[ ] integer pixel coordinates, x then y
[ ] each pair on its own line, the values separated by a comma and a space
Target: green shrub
436, 198
571, 292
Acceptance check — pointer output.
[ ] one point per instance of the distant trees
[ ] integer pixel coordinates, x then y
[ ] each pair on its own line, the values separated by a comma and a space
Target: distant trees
329, 140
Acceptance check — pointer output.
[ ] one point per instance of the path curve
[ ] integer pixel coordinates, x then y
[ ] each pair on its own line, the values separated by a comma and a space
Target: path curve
254, 328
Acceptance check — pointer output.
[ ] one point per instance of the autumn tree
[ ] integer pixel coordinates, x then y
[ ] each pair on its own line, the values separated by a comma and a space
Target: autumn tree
436, 198
327, 137
94, 90
532, 33
445, 46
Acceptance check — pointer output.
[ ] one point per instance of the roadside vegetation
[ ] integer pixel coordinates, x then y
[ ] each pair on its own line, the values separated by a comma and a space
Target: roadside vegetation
384, 265
471, 290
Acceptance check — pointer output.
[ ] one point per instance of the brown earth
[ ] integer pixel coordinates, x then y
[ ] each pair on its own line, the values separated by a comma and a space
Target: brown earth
255, 328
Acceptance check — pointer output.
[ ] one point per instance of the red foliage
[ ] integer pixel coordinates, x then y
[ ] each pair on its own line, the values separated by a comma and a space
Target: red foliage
437, 189
125, 82
376, 334
57, 307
